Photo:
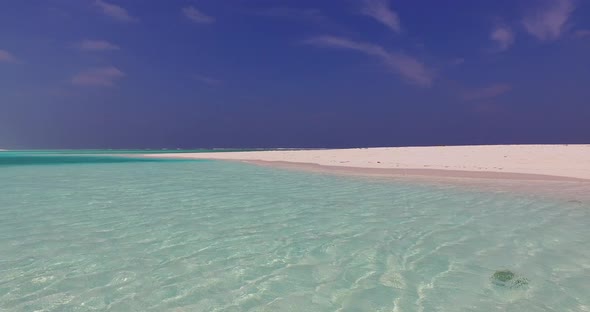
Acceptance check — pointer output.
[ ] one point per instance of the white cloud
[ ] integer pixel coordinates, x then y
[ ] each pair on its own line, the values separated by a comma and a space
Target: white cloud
550, 21
197, 16
406, 66
114, 11
487, 92
457, 61
381, 12
101, 77
97, 45
7, 57
292, 13
503, 37
207, 80
581, 33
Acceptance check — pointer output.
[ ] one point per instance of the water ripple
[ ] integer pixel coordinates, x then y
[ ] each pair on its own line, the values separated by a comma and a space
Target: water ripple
211, 236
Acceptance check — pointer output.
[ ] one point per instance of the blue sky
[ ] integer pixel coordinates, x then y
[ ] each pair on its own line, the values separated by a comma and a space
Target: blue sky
257, 73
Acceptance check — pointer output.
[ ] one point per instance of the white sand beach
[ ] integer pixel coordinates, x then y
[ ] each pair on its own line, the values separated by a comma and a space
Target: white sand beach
534, 162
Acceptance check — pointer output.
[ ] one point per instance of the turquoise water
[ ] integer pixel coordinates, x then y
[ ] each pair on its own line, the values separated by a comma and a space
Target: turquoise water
102, 234
112, 151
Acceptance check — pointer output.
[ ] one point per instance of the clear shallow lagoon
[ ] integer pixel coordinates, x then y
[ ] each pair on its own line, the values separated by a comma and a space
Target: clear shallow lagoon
113, 234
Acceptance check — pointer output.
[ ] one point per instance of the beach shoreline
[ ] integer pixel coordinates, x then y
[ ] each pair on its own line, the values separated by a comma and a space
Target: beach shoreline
549, 187
553, 171
513, 162
412, 172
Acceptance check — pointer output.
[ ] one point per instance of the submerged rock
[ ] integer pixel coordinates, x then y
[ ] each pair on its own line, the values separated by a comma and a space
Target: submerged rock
507, 278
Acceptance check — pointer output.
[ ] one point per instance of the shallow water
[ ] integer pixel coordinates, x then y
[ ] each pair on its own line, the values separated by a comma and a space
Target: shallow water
99, 235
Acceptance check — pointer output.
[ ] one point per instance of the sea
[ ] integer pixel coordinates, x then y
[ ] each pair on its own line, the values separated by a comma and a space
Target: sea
112, 231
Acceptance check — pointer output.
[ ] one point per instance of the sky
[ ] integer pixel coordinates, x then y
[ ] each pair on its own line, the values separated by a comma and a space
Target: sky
293, 73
